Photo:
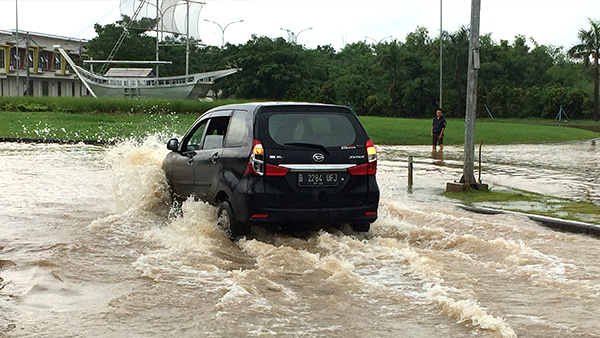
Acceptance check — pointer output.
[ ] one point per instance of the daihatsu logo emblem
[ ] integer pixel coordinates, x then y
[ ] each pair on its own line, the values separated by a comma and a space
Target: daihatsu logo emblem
318, 157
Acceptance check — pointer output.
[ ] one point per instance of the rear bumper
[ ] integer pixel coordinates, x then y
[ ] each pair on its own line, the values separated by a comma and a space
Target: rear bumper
313, 218
249, 203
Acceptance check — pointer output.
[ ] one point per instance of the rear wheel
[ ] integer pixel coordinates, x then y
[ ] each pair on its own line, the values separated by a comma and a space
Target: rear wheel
364, 227
228, 222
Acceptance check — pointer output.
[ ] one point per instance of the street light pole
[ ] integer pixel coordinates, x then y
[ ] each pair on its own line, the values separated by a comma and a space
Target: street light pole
377, 42
223, 29
293, 37
305, 29
156, 48
187, 40
18, 60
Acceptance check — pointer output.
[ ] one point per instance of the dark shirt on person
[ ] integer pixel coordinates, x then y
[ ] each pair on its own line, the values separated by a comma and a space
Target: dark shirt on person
438, 124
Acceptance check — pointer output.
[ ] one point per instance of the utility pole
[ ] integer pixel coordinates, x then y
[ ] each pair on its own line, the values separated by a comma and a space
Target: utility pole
468, 179
469, 151
441, 35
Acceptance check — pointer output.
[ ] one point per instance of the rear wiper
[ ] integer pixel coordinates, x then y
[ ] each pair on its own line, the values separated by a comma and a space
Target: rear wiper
308, 145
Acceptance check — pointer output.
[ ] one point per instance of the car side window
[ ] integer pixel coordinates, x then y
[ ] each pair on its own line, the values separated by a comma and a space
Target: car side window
238, 129
215, 133
195, 142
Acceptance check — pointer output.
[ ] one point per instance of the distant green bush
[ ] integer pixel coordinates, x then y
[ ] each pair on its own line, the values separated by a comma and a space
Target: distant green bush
24, 107
92, 105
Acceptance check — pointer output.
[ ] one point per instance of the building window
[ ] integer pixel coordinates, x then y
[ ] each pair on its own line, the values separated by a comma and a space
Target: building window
30, 59
44, 64
13, 58
59, 89
2, 59
56, 64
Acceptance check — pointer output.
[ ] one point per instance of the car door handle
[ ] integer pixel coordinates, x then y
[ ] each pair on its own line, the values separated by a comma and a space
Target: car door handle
190, 155
215, 157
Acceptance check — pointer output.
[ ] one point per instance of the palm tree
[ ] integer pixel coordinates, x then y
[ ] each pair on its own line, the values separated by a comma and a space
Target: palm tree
589, 48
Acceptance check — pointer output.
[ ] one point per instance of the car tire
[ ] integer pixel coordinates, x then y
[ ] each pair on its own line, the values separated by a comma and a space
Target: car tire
227, 221
364, 227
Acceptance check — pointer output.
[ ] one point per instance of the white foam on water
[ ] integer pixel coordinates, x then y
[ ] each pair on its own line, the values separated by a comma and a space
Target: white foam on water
398, 252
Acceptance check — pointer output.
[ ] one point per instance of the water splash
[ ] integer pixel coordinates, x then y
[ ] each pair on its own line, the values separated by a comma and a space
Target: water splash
139, 183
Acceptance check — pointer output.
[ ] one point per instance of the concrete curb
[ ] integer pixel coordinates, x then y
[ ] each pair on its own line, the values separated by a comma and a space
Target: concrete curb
551, 222
57, 141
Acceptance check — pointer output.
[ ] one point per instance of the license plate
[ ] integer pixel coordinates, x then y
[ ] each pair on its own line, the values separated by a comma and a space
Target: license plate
317, 179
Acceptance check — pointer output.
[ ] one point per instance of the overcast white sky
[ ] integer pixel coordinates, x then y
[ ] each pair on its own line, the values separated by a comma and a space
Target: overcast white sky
335, 22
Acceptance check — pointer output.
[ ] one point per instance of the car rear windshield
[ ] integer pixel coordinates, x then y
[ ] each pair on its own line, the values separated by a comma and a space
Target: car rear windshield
326, 128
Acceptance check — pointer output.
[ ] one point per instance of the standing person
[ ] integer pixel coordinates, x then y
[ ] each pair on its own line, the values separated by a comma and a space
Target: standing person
437, 129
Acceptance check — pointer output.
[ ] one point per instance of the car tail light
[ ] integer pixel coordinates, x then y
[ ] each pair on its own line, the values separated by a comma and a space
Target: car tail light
275, 170
256, 162
369, 168
372, 158
358, 170
370, 213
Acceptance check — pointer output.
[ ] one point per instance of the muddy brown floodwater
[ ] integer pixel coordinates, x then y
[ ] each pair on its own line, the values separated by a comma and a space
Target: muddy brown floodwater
90, 247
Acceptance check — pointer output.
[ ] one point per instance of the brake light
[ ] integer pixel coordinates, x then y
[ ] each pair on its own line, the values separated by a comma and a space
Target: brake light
372, 158
369, 168
275, 170
256, 161
358, 170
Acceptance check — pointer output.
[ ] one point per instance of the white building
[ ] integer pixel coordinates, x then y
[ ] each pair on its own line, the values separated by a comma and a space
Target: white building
48, 72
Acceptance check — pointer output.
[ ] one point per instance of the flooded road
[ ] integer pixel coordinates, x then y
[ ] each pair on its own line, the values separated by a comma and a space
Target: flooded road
568, 170
90, 247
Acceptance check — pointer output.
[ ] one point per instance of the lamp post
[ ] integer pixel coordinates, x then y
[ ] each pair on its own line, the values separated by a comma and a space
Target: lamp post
293, 37
377, 42
18, 61
223, 29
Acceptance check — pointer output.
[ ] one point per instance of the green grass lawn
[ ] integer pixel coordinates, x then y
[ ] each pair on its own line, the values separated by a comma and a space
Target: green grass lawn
104, 127
414, 131
57, 125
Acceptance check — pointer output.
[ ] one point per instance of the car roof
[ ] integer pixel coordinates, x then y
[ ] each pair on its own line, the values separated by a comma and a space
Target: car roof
253, 106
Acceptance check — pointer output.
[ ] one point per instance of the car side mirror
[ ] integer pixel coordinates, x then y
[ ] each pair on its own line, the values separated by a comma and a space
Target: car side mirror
173, 144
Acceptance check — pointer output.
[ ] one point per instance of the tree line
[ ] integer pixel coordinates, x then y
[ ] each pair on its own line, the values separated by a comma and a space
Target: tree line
395, 78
